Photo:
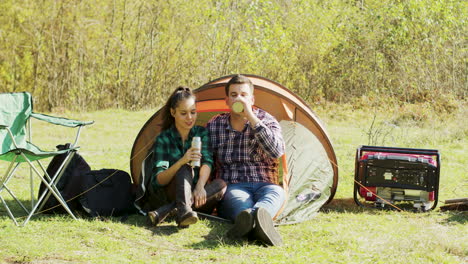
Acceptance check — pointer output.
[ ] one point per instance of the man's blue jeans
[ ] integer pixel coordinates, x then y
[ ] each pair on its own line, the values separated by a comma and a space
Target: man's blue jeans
245, 195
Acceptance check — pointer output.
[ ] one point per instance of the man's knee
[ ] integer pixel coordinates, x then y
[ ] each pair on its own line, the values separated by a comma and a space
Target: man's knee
279, 191
271, 197
272, 191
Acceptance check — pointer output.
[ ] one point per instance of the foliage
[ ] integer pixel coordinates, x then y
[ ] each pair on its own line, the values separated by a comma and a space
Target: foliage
86, 55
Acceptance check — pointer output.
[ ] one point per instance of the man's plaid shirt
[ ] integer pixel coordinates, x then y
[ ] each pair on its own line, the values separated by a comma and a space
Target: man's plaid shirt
247, 156
168, 149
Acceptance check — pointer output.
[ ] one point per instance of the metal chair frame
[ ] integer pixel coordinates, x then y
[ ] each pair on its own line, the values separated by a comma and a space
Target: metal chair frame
21, 156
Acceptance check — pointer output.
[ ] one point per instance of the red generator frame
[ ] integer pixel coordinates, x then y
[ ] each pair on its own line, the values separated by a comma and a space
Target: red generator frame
386, 175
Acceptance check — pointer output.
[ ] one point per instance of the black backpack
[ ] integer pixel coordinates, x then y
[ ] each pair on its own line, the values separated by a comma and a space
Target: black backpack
69, 185
109, 192
105, 192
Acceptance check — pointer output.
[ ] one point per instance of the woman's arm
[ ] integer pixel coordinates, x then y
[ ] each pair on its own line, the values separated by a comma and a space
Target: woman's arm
165, 176
199, 193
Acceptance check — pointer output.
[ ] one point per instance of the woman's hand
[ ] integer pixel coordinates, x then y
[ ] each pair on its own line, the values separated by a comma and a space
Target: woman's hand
199, 196
191, 154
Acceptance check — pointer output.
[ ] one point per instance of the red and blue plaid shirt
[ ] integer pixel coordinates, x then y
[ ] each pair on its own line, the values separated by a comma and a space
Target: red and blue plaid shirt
250, 155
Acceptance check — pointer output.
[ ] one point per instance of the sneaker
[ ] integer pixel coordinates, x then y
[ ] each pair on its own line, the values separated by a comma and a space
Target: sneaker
264, 229
189, 218
242, 226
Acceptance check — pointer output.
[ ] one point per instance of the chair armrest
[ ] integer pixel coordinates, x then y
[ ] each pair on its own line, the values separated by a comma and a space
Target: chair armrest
11, 134
61, 121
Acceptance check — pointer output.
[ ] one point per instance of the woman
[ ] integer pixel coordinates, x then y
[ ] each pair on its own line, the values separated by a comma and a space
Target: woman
184, 185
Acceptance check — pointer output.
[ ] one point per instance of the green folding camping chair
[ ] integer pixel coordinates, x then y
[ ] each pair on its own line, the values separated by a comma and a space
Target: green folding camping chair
17, 148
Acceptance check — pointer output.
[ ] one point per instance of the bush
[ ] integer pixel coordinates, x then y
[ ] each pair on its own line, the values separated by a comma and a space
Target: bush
131, 54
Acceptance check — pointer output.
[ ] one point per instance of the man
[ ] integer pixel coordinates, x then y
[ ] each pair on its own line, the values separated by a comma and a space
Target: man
246, 144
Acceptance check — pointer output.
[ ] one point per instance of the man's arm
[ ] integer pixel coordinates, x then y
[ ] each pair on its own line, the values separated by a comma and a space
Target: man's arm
268, 134
212, 127
267, 130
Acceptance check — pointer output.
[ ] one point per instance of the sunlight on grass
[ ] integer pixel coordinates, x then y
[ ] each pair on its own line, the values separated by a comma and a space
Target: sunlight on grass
341, 232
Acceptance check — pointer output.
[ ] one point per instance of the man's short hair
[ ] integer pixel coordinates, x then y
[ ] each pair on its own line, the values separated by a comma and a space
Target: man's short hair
239, 79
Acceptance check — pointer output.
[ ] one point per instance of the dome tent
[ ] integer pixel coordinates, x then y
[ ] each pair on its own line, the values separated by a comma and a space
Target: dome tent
309, 162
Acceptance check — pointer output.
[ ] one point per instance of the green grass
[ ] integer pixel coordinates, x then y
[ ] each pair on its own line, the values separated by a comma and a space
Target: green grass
341, 232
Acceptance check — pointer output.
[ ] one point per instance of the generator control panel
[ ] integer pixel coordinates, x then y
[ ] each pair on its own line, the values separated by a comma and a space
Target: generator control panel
390, 170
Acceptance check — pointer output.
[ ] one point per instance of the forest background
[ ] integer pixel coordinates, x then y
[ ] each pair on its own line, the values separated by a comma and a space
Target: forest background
90, 55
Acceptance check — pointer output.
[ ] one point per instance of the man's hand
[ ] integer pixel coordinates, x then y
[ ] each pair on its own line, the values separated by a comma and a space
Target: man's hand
248, 113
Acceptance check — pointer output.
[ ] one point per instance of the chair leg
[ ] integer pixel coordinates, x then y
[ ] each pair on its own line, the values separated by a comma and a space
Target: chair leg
16, 199
52, 191
31, 183
55, 178
9, 173
31, 180
50, 183
9, 212
6, 178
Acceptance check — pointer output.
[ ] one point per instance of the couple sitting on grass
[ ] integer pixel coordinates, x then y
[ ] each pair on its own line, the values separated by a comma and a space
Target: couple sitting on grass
246, 144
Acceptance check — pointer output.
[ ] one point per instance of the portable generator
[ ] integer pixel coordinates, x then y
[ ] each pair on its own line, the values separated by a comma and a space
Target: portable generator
387, 175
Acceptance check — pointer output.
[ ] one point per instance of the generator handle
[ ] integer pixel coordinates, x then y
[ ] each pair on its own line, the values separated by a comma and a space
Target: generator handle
436, 191
432, 152
356, 176
355, 196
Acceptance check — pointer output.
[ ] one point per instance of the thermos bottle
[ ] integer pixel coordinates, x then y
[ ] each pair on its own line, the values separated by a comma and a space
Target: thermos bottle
196, 143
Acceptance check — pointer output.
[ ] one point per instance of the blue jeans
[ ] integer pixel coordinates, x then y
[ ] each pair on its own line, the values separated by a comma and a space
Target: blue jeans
245, 195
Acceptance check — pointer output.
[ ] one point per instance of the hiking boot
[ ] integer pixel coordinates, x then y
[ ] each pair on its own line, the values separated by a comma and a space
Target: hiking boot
264, 230
243, 225
187, 219
184, 184
153, 218
156, 217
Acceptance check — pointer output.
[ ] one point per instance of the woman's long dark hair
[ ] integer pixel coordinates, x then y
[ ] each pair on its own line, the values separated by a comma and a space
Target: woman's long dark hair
179, 94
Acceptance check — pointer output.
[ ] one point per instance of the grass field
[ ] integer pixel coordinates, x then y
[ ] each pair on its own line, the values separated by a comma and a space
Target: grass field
340, 233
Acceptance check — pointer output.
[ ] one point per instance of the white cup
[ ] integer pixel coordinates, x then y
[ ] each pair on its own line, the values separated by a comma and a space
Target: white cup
238, 107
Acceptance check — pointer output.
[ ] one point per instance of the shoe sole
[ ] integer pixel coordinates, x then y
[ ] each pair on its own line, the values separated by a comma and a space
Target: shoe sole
152, 219
265, 230
242, 226
188, 221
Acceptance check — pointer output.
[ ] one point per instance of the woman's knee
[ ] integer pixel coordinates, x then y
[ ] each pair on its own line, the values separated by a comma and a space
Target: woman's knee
219, 184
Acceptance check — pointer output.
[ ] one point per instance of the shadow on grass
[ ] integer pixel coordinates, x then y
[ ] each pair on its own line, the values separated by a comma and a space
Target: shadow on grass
347, 205
164, 230
169, 226
45, 216
342, 205
459, 217
216, 237
20, 214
